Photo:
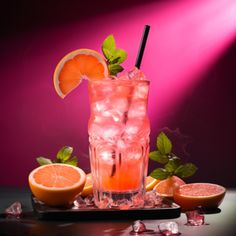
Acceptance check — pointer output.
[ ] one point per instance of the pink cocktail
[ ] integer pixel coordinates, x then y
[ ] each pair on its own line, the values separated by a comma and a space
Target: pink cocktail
119, 140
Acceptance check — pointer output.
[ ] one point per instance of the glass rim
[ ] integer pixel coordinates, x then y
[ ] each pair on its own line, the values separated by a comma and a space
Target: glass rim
119, 81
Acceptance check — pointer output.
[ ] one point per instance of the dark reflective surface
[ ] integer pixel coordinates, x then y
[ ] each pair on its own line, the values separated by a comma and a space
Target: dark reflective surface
220, 223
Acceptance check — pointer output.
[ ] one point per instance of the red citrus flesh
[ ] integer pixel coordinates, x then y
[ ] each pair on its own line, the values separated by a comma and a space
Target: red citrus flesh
190, 196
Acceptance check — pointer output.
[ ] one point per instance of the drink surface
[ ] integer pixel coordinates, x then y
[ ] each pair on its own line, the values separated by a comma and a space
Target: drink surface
119, 134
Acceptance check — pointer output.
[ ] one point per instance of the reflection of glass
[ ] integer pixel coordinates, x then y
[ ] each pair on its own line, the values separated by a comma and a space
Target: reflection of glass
119, 141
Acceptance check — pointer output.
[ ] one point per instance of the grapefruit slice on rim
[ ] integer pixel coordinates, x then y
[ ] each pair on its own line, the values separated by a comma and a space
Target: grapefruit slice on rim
166, 187
206, 195
56, 184
77, 65
88, 187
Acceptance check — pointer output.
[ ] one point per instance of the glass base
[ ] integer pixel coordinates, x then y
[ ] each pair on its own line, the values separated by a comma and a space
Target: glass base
119, 200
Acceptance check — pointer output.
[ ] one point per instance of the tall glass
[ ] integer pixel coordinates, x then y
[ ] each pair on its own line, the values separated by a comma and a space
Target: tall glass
119, 141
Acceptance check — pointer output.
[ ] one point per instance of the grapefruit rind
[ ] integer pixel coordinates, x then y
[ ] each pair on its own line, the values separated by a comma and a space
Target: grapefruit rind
150, 183
169, 184
88, 188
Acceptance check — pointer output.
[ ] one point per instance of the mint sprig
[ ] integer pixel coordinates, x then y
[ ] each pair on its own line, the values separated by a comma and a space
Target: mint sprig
63, 156
113, 55
172, 163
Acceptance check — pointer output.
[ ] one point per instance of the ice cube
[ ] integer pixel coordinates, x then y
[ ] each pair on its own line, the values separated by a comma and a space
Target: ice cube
111, 131
79, 202
152, 199
121, 144
120, 104
141, 91
14, 210
107, 154
136, 74
115, 115
138, 227
138, 109
124, 76
123, 90
134, 152
195, 218
106, 130
100, 106
169, 228
134, 128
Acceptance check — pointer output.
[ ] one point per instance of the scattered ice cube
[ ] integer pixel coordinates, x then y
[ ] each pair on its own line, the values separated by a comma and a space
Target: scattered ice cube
123, 204
152, 199
138, 227
89, 200
136, 74
169, 228
137, 200
14, 210
104, 203
79, 202
195, 218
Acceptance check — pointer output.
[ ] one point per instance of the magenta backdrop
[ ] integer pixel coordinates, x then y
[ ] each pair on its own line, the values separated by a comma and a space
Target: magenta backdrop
190, 60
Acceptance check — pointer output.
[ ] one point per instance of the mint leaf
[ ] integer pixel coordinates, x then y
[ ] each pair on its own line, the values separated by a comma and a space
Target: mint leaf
187, 170
160, 173
64, 154
109, 46
164, 145
73, 161
114, 56
43, 161
114, 69
172, 164
157, 156
119, 55
108, 54
115, 61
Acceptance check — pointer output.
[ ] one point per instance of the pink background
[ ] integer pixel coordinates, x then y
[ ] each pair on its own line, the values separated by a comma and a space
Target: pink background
190, 60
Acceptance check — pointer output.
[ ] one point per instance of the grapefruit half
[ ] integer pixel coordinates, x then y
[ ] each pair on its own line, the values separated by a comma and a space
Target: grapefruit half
56, 184
206, 195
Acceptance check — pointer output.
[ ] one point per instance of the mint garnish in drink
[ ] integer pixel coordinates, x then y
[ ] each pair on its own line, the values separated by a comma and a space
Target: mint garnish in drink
63, 156
113, 55
172, 163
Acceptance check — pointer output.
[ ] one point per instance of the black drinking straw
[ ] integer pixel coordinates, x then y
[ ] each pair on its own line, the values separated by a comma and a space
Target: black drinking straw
142, 46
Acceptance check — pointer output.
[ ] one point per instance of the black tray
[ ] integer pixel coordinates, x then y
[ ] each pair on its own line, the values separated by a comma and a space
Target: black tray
170, 210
